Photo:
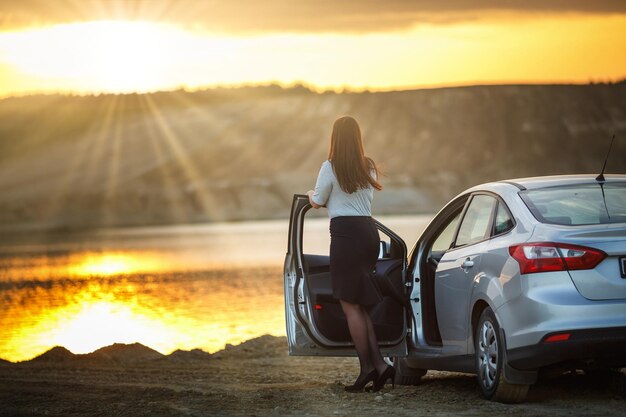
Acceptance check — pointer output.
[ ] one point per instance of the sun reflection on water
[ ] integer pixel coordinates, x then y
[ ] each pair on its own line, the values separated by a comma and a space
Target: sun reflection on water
83, 264
169, 287
103, 323
116, 263
94, 299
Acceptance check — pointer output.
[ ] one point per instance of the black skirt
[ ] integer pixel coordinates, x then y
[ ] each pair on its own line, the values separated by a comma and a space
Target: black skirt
354, 246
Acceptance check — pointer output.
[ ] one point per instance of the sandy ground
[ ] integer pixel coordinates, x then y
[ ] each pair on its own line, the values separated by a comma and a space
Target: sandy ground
258, 378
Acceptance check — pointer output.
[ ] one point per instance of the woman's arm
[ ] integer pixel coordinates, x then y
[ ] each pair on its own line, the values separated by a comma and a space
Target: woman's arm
323, 187
313, 203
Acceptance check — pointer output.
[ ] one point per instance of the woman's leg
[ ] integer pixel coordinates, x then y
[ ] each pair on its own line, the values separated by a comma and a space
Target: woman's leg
376, 357
357, 324
364, 338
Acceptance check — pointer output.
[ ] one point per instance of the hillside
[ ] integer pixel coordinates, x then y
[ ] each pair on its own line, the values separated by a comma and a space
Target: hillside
71, 162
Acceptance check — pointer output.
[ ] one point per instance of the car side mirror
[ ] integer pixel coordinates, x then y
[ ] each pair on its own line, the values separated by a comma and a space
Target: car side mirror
384, 250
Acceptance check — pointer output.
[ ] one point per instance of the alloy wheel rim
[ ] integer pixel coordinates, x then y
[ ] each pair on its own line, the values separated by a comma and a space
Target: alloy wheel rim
487, 355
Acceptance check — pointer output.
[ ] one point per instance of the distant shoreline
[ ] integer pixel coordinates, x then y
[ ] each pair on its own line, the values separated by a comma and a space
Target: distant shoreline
300, 87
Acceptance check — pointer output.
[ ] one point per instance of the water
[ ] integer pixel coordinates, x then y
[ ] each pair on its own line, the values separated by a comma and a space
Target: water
167, 287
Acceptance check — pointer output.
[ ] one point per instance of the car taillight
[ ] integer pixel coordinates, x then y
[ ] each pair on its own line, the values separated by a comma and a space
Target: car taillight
551, 256
559, 337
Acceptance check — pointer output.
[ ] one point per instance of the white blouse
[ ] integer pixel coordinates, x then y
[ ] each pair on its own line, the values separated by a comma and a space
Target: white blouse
328, 193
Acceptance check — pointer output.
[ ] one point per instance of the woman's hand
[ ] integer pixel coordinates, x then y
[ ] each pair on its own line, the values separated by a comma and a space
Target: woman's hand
310, 195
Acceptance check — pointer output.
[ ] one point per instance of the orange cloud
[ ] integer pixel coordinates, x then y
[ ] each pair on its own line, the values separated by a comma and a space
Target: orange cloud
254, 16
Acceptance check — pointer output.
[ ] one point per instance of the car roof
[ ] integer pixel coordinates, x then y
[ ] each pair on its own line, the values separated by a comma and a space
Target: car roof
557, 180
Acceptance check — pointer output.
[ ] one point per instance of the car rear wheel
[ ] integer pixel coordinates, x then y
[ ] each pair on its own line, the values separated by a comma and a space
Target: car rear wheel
489, 362
405, 373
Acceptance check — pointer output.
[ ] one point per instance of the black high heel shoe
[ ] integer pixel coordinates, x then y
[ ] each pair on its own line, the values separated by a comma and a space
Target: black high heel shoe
389, 373
359, 385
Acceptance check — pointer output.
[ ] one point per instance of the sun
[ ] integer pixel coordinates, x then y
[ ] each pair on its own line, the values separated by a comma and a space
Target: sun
108, 55
126, 56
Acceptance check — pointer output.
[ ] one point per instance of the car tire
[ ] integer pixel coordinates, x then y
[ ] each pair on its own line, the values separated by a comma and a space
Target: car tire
489, 362
405, 373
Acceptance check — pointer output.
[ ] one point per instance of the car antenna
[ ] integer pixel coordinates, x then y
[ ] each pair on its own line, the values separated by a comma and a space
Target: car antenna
600, 178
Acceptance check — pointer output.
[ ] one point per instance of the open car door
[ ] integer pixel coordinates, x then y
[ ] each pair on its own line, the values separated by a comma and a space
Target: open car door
316, 325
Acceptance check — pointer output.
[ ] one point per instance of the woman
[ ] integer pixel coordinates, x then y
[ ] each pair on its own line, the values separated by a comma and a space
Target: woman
345, 186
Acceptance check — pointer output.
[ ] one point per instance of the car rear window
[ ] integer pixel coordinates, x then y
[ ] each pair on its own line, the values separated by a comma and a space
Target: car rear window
575, 205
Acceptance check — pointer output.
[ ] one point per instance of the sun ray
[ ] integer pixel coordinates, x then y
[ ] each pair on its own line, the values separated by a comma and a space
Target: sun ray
186, 164
111, 180
97, 160
10, 176
164, 180
217, 129
81, 170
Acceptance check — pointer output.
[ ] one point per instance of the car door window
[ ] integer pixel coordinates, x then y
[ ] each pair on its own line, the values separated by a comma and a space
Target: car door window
504, 222
476, 224
443, 242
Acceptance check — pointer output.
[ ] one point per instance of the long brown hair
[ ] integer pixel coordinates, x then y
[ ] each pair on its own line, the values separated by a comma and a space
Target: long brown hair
352, 168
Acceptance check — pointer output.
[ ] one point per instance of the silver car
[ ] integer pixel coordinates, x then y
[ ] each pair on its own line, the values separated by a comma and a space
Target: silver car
508, 279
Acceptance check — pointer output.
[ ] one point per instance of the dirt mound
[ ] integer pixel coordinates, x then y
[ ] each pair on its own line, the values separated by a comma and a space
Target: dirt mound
266, 345
116, 354
181, 356
54, 355
130, 354
123, 353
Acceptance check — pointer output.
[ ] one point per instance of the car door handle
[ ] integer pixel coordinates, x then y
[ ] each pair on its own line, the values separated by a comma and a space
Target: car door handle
467, 264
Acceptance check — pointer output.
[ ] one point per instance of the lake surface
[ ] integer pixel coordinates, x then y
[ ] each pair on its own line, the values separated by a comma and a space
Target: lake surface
167, 287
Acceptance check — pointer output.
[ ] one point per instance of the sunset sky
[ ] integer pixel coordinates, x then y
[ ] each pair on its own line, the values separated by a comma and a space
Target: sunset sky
92, 46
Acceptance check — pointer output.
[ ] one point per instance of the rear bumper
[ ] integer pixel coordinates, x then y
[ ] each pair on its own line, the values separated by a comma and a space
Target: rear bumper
545, 303
604, 347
